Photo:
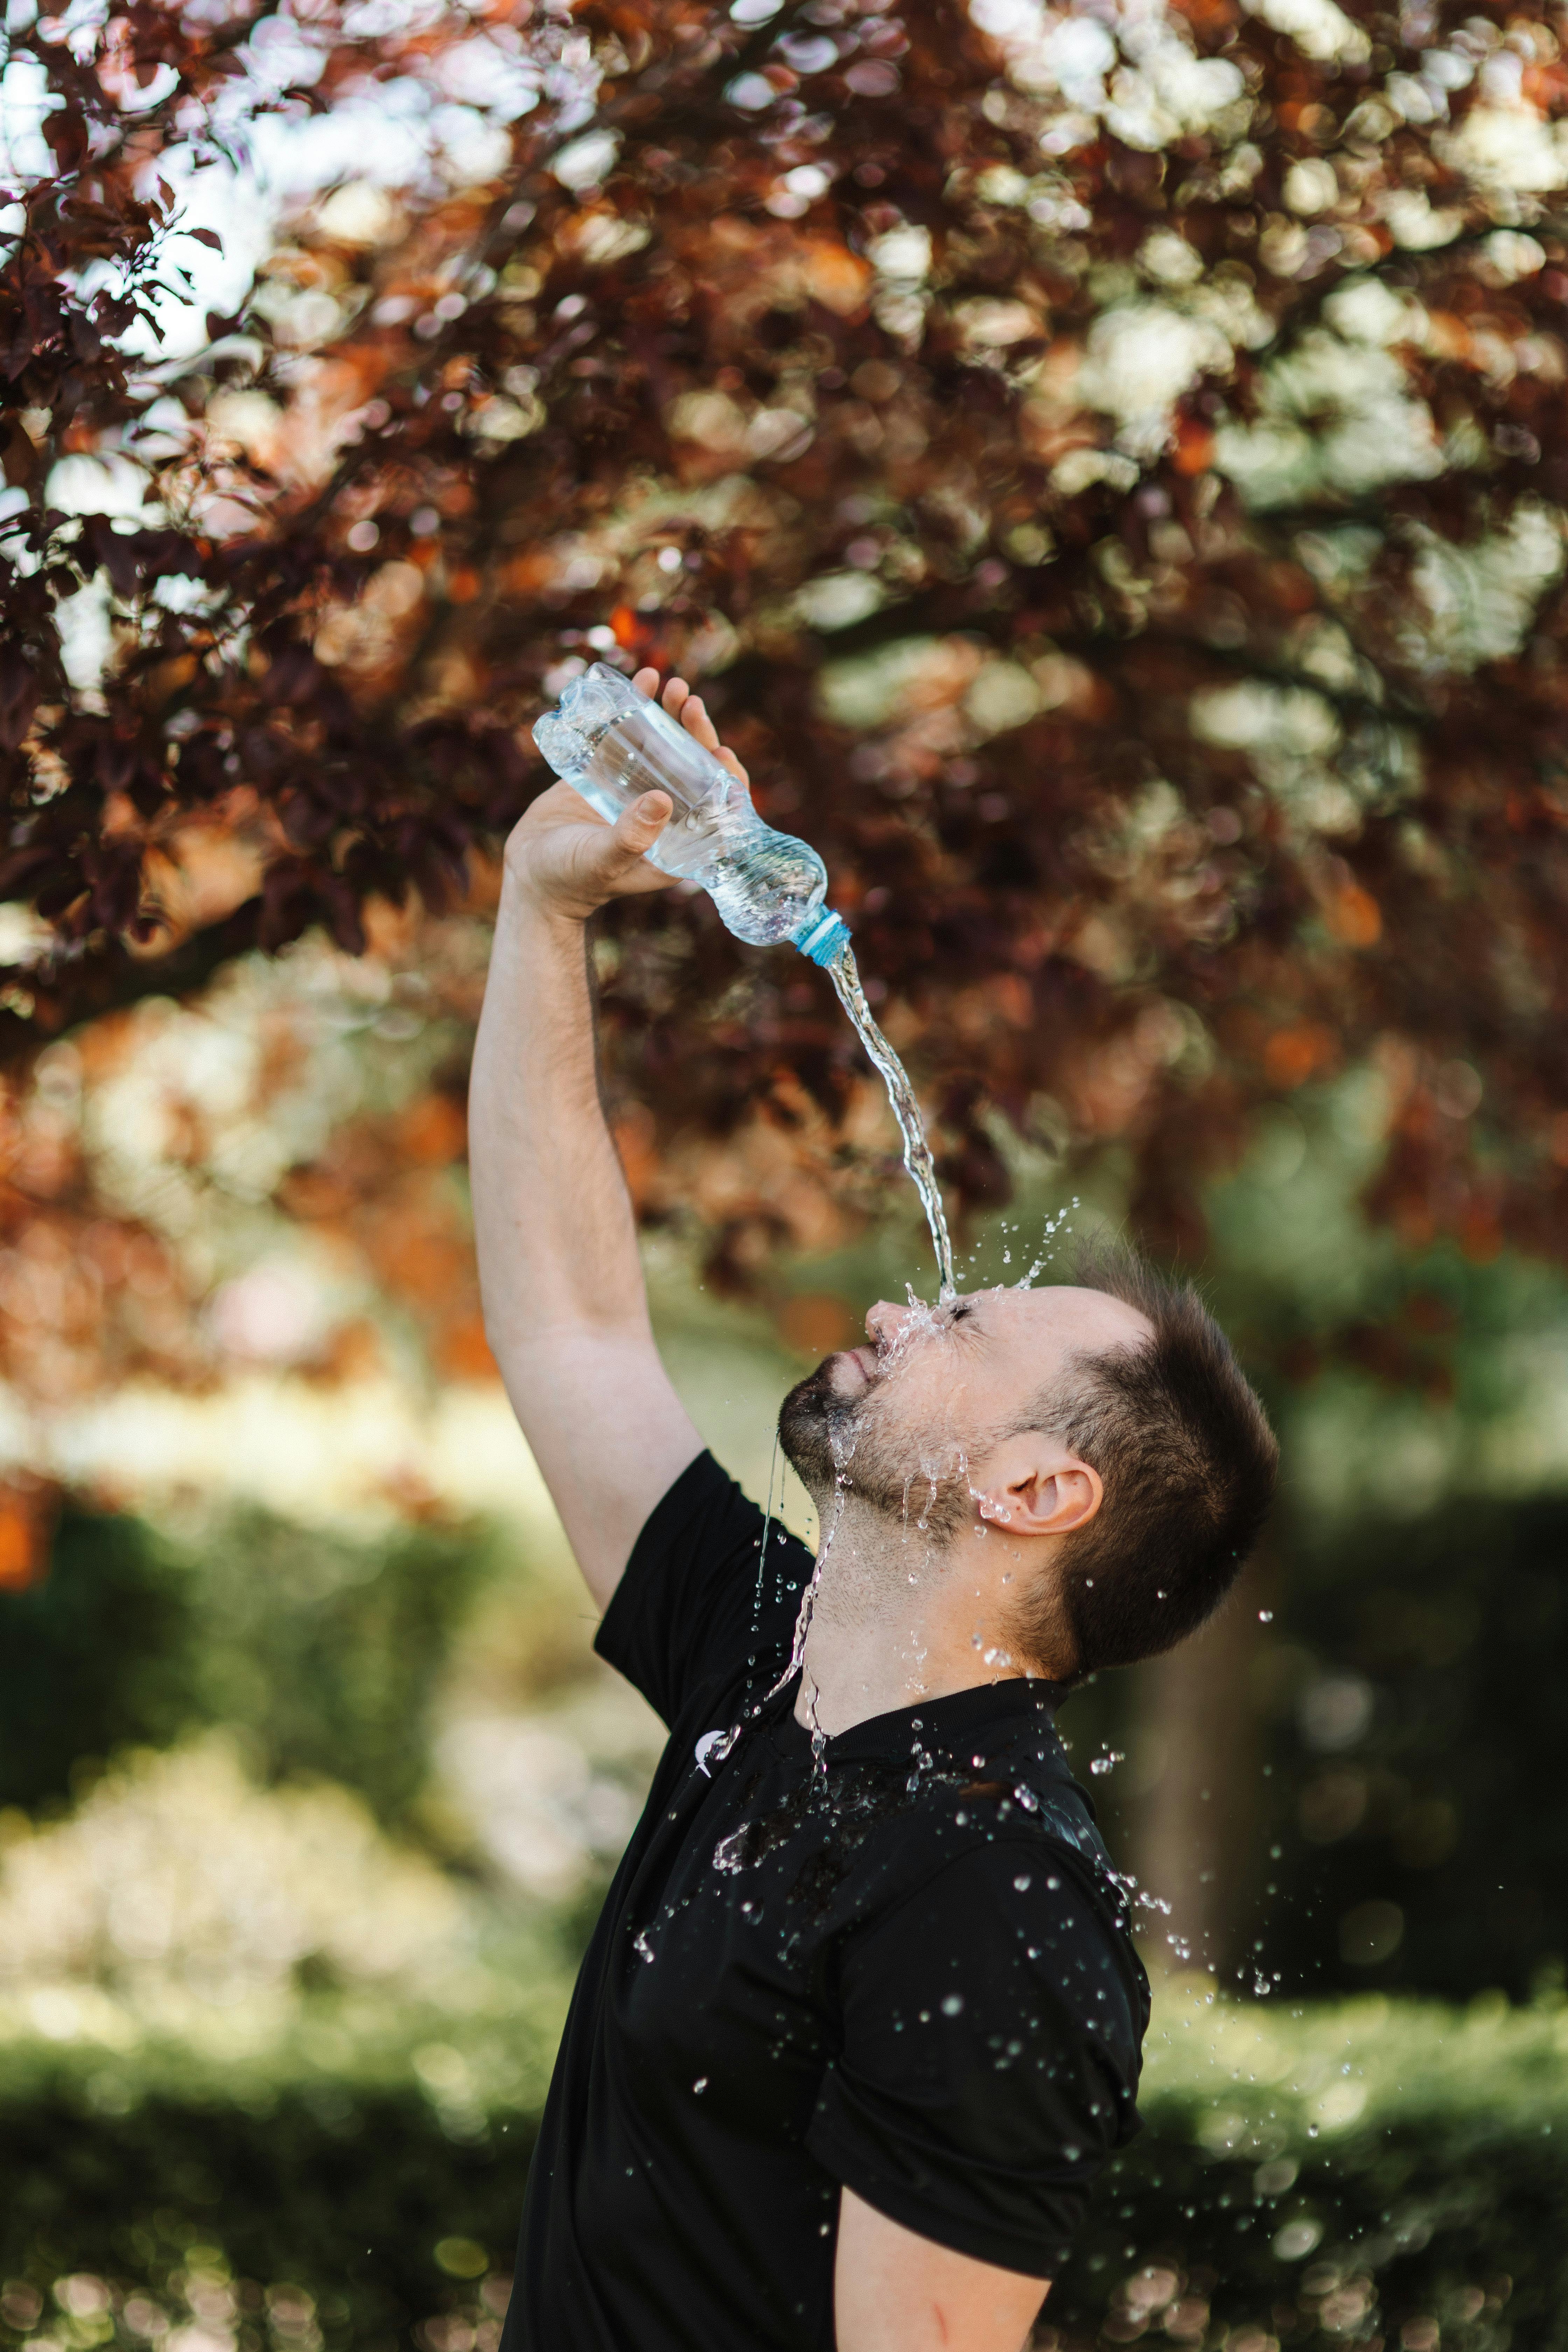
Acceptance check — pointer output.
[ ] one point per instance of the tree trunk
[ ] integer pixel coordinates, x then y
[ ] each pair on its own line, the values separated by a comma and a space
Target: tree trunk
1196, 1786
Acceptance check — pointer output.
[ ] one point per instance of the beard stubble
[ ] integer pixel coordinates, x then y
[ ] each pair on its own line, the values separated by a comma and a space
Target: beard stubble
854, 1442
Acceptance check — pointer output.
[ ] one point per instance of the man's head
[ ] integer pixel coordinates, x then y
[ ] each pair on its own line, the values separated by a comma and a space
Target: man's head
1102, 1426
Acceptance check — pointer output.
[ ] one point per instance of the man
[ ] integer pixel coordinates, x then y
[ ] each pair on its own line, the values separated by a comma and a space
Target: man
861, 2019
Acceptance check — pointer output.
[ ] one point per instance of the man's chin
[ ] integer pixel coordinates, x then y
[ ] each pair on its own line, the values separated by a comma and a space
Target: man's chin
810, 1401
807, 1418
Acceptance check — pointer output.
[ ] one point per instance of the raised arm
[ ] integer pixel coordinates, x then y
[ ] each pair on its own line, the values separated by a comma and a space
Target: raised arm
565, 1307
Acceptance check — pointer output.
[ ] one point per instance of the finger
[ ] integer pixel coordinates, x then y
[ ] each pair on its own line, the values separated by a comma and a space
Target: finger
647, 682
727, 760
675, 693
695, 720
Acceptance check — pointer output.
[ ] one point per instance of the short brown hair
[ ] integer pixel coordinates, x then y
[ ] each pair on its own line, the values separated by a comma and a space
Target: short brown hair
1188, 1458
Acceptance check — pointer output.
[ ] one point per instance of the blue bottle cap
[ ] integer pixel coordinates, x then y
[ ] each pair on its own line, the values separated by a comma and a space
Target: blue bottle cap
822, 935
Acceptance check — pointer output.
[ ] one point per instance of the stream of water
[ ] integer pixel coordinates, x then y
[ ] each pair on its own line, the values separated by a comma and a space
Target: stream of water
844, 975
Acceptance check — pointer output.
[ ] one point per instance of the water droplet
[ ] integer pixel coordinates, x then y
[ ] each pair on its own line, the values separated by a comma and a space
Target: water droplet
953, 2005
1022, 1881
700, 2084
1266, 1616
728, 1854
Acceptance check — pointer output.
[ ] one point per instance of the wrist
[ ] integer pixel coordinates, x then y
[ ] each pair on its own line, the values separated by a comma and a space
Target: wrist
530, 897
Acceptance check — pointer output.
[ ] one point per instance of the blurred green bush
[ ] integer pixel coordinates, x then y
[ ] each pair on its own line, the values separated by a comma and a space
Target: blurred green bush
323, 1652
1378, 2170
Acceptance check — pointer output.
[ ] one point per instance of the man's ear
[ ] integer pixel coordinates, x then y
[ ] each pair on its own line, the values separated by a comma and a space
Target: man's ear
1032, 1485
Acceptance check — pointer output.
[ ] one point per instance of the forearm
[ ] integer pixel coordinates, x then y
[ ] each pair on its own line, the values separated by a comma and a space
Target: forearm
560, 1277
552, 1217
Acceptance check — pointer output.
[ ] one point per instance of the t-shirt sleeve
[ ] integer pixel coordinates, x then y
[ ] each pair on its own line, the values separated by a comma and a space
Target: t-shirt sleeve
695, 1602
990, 2059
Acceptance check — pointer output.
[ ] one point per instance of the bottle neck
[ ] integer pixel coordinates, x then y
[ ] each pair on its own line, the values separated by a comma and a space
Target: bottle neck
822, 935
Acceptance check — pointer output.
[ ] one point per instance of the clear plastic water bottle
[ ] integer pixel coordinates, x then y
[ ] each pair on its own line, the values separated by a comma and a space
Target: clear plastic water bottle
612, 744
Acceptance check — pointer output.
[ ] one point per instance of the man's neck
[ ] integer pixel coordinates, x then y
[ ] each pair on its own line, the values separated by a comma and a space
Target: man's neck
899, 1618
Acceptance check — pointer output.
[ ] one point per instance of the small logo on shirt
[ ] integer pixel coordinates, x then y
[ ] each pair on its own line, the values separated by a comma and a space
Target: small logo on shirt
712, 1749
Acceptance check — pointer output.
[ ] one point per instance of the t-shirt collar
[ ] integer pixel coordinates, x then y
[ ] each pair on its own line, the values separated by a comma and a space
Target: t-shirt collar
989, 1714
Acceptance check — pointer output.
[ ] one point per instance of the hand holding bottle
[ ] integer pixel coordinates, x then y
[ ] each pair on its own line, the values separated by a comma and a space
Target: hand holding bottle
673, 805
570, 860
681, 703
618, 748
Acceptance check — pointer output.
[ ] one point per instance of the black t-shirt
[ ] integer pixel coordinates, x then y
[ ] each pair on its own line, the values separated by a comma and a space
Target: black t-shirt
905, 1968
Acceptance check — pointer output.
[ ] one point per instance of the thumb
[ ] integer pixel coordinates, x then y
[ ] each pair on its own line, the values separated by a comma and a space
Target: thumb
638, 827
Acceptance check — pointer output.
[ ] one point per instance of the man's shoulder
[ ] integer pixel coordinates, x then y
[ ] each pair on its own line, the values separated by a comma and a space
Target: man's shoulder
1005, 1853
1011, 1911
980, 1827
933, 1817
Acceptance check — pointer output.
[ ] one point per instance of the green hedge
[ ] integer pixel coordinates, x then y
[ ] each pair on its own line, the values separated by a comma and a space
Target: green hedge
1368, 2173
324, 1654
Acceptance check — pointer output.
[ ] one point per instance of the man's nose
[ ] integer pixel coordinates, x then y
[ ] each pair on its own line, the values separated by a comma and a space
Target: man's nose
885, 1322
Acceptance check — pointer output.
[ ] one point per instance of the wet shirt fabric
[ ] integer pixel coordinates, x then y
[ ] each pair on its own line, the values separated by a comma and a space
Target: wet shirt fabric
904, 1969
